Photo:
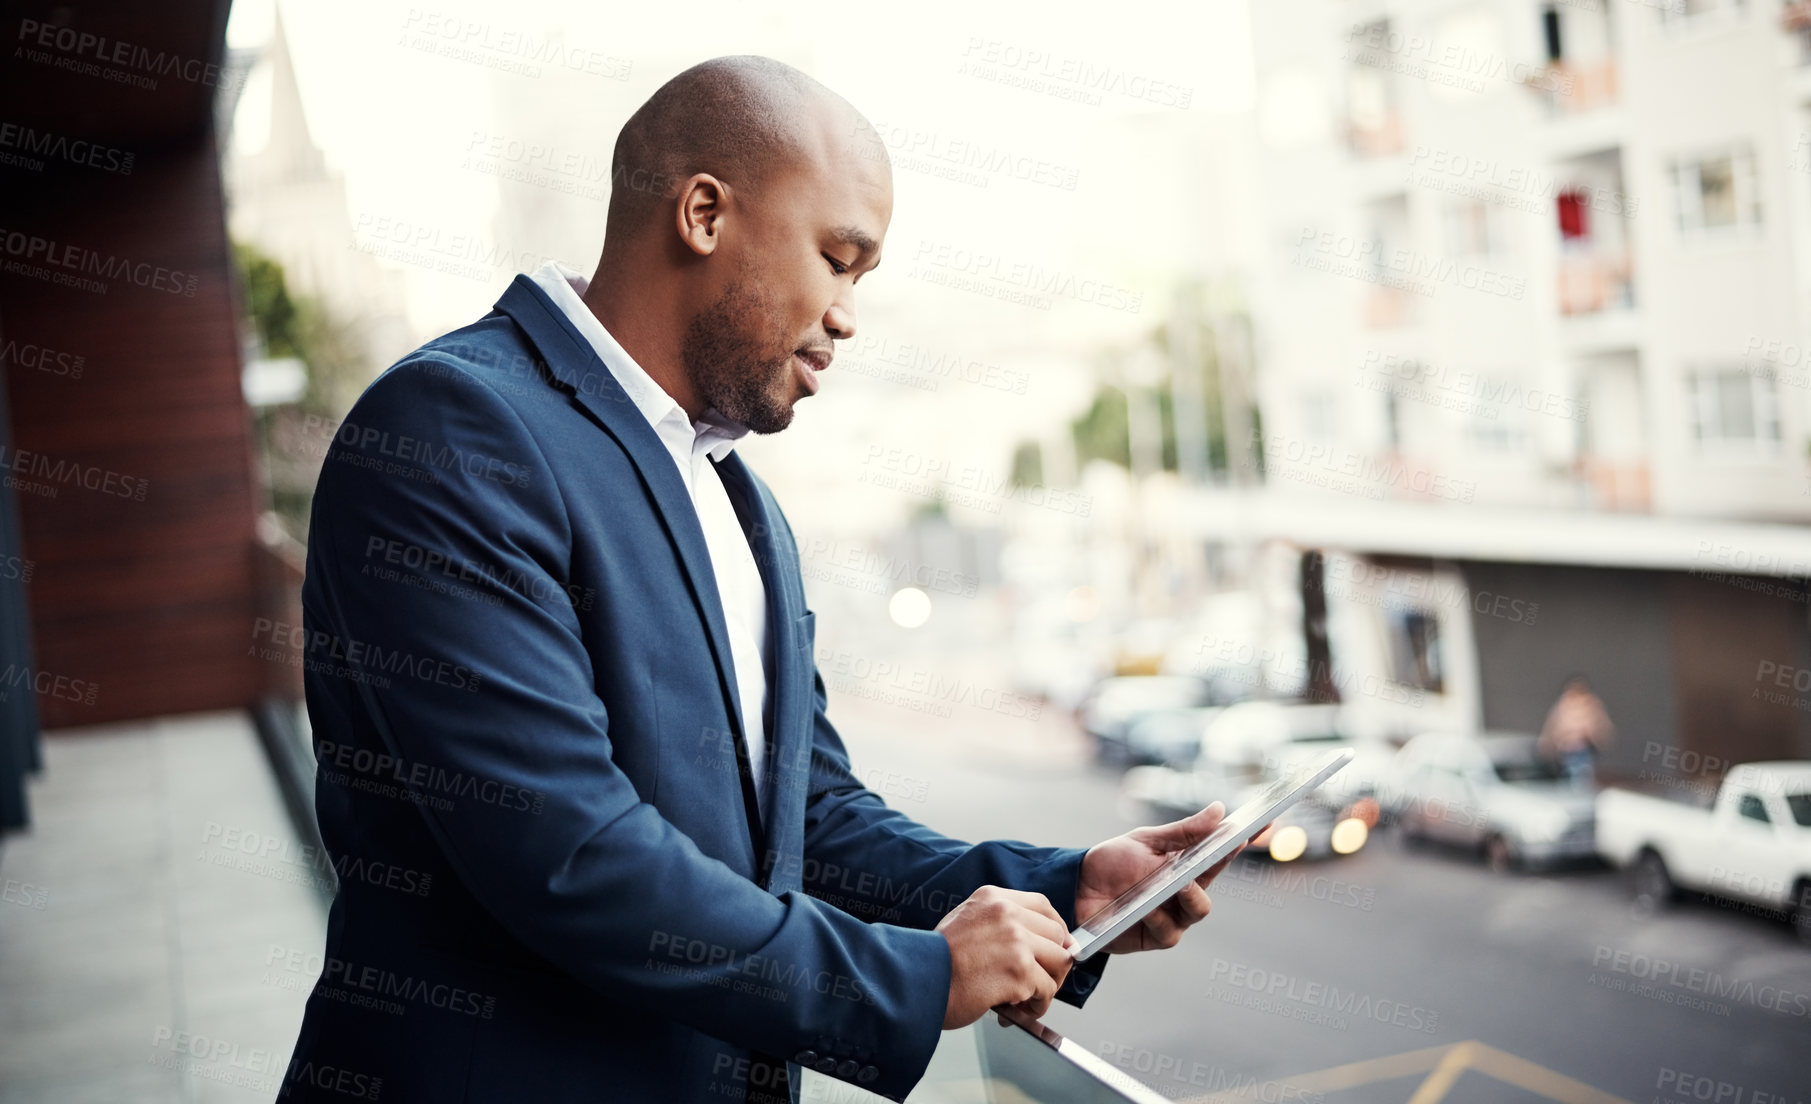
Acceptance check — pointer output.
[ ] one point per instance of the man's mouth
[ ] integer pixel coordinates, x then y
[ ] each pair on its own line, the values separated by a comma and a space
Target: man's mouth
810, 362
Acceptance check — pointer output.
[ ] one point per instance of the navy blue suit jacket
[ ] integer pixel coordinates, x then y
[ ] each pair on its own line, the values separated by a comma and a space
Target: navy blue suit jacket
553, 881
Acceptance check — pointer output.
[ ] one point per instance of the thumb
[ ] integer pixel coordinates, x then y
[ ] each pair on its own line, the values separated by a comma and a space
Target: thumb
1178, 834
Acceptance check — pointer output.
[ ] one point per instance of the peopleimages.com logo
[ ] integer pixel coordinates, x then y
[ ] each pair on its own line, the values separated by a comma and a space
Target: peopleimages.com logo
72, 265
94, 55
1696, 987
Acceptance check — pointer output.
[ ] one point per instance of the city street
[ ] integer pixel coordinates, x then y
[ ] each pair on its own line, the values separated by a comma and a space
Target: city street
1303, 968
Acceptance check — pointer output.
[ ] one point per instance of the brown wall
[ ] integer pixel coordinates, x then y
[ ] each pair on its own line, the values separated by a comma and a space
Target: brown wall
1733, 637
151, 602
1610, 625
1674, 657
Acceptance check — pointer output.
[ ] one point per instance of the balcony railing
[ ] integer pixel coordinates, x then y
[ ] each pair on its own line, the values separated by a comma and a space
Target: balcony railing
1590, 283
1574, 88
1622, 486
1386, 308
1380, 138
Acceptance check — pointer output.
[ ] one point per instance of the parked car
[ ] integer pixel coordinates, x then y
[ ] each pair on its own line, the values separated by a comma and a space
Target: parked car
1251, 734
1117, 704
1168, 735
1494, 793
1753, 845
1370, 775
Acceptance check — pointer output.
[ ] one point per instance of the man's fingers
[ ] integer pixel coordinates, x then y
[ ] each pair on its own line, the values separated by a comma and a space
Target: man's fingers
1054, 958
1053, 962
1035, 902
1035, 913
1214, 871
1178, 834
1191, 905
1161, 929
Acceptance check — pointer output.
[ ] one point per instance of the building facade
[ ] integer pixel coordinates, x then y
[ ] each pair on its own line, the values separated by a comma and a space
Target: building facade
1530, 268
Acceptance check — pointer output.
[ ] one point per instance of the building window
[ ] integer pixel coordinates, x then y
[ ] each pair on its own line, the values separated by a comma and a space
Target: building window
1473, 229
1493, 426
1735, 409
1320, 417
1373, 127
1717, 192
1392, 419
1415, 648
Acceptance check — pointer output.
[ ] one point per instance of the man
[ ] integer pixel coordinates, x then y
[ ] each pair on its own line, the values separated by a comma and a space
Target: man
1577, 731
576, 775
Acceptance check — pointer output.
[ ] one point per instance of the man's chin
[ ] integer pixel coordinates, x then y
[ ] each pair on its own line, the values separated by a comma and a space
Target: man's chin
771, 418
772, 422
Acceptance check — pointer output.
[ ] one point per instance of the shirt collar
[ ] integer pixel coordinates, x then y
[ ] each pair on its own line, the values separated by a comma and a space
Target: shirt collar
712, 432
717, 434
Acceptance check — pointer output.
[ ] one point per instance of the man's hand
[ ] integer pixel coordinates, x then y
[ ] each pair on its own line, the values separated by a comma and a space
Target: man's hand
1110, 868
1006, 947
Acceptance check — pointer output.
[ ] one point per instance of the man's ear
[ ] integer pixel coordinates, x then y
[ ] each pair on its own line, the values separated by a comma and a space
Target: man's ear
699, 214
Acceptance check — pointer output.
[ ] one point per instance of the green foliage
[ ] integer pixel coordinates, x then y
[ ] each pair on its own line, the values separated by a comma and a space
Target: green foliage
267, 299
1028, 464
934, 508
1101, 432
288, 324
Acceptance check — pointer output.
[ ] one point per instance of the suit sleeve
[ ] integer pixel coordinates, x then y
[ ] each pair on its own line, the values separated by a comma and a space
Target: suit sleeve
876, 862
594, 879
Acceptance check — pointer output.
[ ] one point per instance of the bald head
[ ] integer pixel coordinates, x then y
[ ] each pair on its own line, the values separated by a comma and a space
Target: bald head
742, 119
746, 201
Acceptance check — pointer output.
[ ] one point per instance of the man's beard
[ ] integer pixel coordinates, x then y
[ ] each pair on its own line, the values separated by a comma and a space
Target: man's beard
738, 365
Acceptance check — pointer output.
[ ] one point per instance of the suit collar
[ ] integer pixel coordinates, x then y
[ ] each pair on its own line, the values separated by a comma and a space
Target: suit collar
712, 431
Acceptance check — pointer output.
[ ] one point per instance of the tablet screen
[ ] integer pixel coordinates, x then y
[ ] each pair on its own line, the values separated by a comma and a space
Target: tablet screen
1191, 862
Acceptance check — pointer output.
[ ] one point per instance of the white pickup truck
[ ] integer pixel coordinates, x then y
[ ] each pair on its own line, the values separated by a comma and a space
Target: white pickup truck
1753, 845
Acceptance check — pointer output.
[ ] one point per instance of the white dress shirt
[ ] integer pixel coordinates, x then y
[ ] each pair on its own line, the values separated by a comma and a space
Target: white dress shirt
692, 447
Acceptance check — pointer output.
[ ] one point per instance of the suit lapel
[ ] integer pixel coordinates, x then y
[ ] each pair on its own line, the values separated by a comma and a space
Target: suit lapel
791, 687
571, 360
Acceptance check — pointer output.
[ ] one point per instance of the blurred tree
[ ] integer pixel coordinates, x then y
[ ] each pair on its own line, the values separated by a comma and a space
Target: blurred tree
1028, 464
1101, 432
293, 437
273, 312
934, 508
288, 324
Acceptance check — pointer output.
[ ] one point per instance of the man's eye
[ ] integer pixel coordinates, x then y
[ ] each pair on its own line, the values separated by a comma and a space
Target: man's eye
836, 266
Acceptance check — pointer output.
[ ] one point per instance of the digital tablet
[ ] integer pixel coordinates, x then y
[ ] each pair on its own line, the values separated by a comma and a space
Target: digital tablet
1190, 863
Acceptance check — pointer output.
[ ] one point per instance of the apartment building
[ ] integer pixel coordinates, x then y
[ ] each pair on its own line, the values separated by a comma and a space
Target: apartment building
1532, 314
1554, 253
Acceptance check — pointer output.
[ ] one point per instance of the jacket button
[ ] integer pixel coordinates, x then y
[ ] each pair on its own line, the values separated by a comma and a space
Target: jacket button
848, 1068
867, 1074
805, 1057
826, 1064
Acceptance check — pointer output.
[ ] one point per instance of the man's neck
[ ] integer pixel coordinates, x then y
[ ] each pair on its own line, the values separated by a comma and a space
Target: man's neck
638, 326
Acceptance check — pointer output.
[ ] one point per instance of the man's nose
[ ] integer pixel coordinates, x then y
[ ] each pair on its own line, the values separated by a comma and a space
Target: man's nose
839, 320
